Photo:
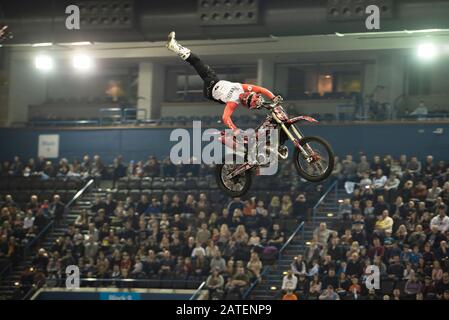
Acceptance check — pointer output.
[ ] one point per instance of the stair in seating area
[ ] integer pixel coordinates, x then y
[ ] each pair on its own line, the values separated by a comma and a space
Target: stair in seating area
85, 202
270, 286
7, 285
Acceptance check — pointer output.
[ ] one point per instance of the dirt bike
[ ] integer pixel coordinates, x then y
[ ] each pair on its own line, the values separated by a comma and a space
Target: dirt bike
313, 157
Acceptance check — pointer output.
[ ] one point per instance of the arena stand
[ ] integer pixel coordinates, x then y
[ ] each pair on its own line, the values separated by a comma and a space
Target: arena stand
399, 224
148, 229
155, 225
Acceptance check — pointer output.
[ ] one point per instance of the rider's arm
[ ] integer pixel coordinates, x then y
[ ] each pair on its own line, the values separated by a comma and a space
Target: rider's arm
229, 109
257, 89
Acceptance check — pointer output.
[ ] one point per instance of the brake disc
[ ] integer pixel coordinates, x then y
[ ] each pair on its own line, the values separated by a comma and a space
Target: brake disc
235, 184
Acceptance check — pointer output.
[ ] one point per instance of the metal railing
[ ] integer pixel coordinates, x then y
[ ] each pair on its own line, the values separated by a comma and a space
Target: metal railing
301, 226
255, 282
334, 185
29, 245
30, 293
140, 283
119, 116
267, 268
133, 115
112, 115
6, 269
51, 224
78, 194
198, 291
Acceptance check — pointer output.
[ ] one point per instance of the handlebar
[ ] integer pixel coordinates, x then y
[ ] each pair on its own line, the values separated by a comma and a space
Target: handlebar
269, 105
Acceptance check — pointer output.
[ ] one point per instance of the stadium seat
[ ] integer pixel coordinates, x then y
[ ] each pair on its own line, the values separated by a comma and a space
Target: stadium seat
134, 183
146, 183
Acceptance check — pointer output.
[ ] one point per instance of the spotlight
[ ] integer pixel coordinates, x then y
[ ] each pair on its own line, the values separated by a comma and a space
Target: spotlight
273, 288
82, 62
427, 51
43, 63
80, 43
43, 44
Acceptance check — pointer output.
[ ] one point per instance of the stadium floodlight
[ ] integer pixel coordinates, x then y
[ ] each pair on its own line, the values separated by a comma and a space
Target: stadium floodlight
80, 43
42, 44
427, 51
82, 62
75, 44
43, 62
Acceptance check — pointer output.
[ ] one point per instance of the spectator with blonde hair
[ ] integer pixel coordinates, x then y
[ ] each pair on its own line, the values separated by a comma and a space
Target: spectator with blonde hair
275, 206
286, 206
240, 235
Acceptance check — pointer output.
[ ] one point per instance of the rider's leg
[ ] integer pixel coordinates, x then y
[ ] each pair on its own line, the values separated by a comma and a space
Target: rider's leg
174, 46
204, 71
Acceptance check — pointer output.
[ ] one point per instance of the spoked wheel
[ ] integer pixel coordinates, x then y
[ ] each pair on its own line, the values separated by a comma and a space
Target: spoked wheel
237, 186
319, 162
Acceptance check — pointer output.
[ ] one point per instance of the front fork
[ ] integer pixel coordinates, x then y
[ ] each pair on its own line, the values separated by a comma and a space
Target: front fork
307, 154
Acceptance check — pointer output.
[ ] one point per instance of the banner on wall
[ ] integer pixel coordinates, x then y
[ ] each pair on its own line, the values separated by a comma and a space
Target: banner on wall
119, 296
48, 146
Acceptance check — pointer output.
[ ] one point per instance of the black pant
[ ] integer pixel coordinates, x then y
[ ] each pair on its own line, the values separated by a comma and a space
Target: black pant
206, 73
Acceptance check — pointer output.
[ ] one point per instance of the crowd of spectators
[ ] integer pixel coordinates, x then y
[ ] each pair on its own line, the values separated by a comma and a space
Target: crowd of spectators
20, 223
95, 167
162, 237
177, 237
394, 217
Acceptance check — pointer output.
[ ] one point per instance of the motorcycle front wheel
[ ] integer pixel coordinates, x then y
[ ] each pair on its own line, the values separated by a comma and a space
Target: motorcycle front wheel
318, 164
237, 186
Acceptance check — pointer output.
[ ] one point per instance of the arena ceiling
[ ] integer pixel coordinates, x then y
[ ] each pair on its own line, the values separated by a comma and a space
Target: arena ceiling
148, 21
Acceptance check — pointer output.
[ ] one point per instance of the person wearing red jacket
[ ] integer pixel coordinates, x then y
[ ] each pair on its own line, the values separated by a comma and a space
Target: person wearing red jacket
232, 94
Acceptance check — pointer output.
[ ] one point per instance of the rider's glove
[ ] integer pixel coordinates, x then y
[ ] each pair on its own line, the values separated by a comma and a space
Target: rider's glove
259, 102
278, 99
